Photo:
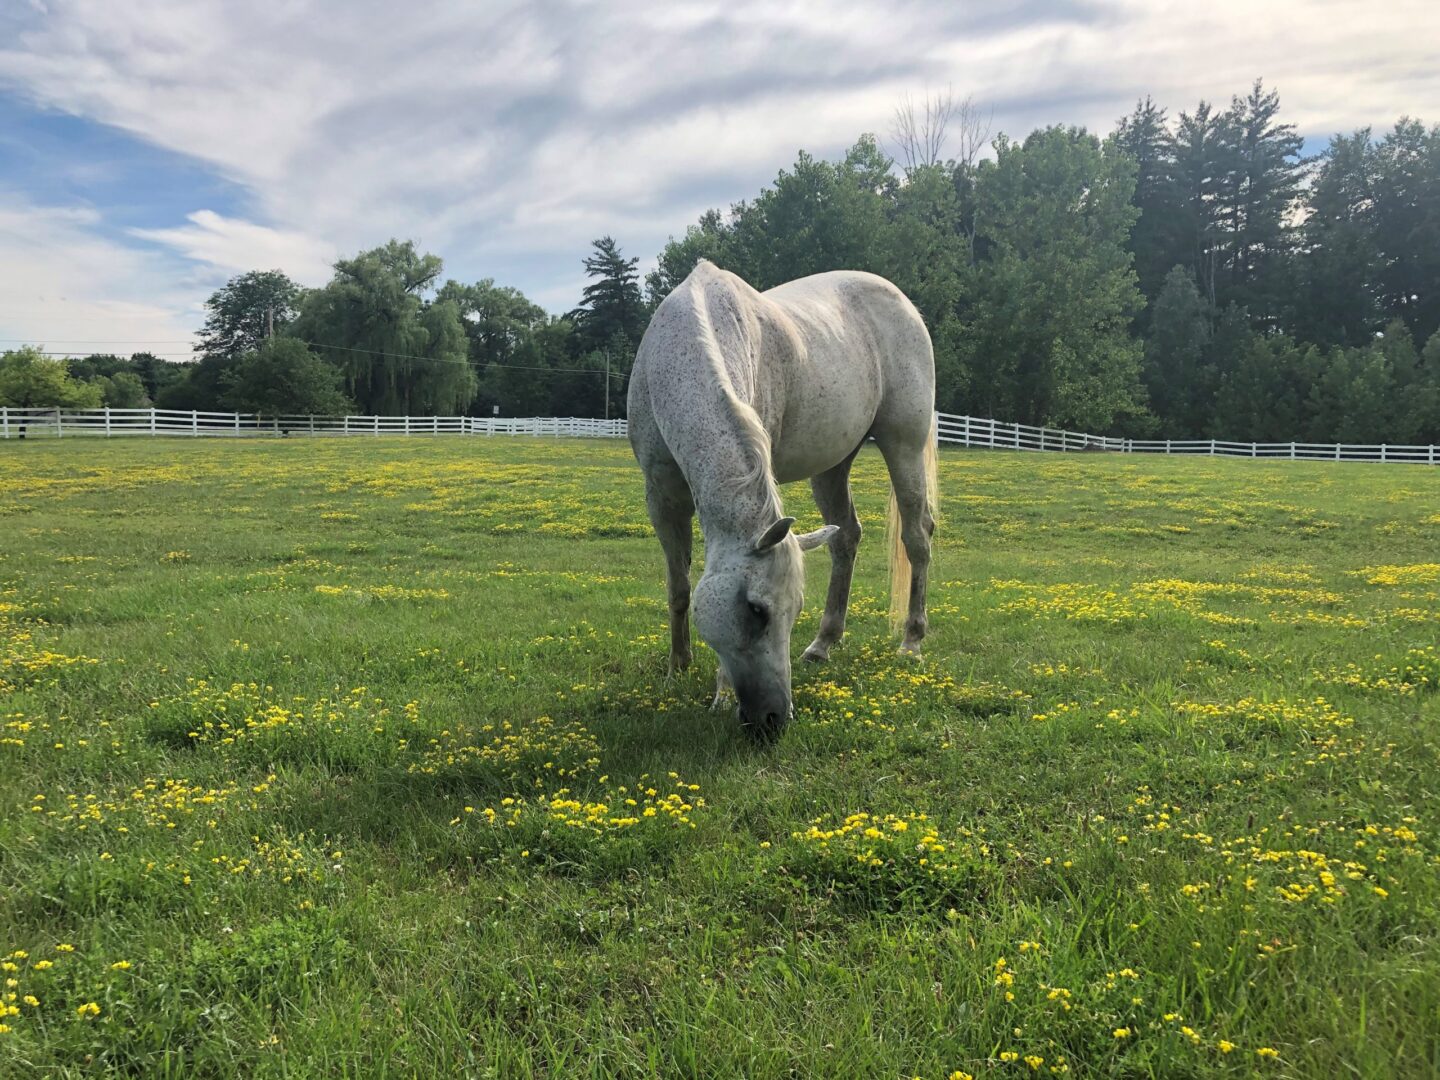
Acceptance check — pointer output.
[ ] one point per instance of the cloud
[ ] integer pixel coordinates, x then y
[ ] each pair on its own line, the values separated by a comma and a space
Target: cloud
237, 246
506, 136
66, 288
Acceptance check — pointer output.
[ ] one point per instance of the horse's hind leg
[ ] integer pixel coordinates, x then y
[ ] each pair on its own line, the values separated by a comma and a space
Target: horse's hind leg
909, 478
832, 496
672, 510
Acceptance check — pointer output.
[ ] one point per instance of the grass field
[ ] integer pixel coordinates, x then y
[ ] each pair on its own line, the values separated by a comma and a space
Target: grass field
358, 758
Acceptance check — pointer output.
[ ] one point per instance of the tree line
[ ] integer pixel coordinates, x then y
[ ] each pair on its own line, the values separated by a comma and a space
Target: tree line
1186, 276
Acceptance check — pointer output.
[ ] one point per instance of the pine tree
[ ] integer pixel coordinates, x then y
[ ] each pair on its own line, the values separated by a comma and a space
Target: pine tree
1407, 225
1258, 193
1145, 136
1335, 301
1199, 151
612, 313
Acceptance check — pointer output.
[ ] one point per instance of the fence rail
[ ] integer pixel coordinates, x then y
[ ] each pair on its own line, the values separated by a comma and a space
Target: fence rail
993, 434
972, 431
59, 423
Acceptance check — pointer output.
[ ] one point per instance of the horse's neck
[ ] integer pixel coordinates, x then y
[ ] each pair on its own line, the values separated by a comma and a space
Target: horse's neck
728, 468
716, 409
723, 452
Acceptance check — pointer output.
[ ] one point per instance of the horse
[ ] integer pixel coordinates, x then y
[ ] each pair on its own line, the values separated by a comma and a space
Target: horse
733, 391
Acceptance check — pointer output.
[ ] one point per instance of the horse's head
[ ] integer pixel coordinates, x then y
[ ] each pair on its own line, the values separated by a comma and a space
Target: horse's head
746, 604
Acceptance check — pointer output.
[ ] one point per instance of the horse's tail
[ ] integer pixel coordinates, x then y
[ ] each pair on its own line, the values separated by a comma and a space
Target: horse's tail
899, 560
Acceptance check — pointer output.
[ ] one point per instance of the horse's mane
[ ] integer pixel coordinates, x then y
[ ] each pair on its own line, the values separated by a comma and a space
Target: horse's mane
750, 430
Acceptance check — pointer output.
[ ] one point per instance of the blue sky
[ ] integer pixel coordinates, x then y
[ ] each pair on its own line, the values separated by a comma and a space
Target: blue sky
151, 149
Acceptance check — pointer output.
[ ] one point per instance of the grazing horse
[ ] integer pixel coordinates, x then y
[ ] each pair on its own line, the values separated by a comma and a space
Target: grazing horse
734, 390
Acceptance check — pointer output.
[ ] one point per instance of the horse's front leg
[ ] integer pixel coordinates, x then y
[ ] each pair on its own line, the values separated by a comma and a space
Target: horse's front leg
832, 496
672, 512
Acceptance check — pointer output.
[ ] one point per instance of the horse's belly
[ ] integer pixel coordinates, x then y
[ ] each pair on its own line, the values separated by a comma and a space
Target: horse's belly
819, 438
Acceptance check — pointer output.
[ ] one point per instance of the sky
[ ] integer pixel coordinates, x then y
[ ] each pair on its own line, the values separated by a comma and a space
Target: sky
152, 149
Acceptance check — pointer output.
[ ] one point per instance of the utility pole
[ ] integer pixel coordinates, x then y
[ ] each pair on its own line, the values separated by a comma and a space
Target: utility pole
607, 384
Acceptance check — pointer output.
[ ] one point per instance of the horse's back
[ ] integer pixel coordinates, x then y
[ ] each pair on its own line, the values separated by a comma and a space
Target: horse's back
865, 360
825, 361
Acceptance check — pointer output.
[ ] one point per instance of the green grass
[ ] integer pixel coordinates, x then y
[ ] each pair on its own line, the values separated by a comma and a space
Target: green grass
331, 743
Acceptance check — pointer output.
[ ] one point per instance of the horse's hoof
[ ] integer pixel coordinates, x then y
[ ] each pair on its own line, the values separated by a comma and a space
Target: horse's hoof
911, 649
816, 654
679, 664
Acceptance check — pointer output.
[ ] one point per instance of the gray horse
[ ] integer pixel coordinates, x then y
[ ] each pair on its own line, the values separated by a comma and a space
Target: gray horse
734, 390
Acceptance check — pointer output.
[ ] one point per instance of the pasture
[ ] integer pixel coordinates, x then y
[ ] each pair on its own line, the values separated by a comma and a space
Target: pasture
358, 758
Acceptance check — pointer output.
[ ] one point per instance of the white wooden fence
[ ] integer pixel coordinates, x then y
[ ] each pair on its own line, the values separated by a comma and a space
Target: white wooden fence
972, 431
58, 423
977, 431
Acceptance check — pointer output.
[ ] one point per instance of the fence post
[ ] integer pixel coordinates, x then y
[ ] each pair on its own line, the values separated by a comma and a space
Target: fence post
1167, 446
1292, 450
347, 424
1254, 449
152, 420
437, 424
377, 423
1382, 451
312, 423
1429, 458
1212, 447
237, 423
194, 422
59, 425
5, 420
1337, 450
407, 423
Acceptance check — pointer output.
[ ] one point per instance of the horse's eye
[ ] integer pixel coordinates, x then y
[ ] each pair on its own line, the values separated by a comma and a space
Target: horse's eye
758, 611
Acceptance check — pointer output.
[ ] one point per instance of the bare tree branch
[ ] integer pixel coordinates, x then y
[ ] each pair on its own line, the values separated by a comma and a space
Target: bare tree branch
920, 131
972, 131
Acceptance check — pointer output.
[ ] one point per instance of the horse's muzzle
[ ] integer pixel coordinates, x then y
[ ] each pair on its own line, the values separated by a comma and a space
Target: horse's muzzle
763, 727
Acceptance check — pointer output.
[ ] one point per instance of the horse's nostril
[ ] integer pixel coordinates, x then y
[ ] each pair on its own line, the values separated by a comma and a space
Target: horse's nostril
762, 727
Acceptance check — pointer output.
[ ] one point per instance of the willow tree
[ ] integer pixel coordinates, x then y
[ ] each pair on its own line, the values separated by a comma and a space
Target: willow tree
399, 352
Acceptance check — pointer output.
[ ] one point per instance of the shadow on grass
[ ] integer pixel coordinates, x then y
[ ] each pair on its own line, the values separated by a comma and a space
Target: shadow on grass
403, 803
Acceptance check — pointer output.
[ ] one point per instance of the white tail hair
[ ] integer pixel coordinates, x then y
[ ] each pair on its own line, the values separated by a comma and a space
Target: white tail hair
899, 559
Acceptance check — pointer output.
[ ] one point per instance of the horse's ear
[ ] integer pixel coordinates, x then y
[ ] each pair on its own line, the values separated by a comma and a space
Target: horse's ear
811, 540
773, 535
